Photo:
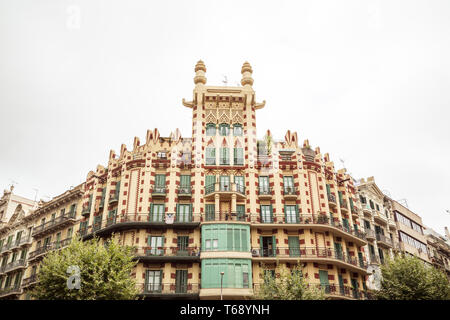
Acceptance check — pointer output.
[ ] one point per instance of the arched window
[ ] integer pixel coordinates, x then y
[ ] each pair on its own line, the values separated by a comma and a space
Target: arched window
237, 129
224, 129
210, 129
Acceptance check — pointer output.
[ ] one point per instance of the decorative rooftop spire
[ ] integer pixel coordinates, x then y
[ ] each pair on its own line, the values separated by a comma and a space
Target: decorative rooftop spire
246, 74
200, 70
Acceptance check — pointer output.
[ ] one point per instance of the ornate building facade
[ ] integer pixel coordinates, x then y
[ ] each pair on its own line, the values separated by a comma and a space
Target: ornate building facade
210, 213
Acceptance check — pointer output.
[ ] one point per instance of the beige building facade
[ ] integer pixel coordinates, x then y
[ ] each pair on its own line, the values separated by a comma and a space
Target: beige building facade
210, 213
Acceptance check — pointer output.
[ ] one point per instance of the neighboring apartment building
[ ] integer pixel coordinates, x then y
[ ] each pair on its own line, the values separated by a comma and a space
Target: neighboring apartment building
15, 239
439, 249
410, 229
54, 223
9, 203
379, 226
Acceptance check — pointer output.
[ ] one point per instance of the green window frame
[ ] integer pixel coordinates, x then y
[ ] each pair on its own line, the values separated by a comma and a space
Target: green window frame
156, 244
157, 212
184, 212
288, 184
153, 281
237, 273
294, 246
210, 212
160, 183
210, 156
266, 213
291, 214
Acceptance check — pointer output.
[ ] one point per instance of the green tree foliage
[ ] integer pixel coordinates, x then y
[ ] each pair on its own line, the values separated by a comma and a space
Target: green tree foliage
105, 272
291, 285
408, 278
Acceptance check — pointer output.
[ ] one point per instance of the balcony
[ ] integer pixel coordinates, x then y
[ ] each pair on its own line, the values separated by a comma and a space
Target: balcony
19, 243
374, 259
18, 264
30, 280
343, 292
170, 254
226, 216
86, 210
383, 241
265, 193
140, 221
344, 206
355, 212
6, 247
225, 191
169, 290
370, 234
55, 224
331, 199
159, 192
210, 161
319, 222
379, 217
184, 192
290, 193
14, 290
39, 252
113, 199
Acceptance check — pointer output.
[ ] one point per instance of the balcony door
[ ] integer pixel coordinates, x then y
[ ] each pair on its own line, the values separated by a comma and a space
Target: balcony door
182, 245
156, 245
153, 281
323, 276
268, 246
263, 185
181, 281
225, 183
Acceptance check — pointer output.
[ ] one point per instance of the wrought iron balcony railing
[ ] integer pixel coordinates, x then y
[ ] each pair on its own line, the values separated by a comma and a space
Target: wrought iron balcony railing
169, 288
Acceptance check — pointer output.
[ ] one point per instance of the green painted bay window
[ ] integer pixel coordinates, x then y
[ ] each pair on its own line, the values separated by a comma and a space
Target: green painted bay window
226, 237
237, 273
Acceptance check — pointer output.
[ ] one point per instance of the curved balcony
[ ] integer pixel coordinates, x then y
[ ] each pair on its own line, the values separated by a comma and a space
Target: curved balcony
225, 191
19, 264
7, 247
318, 222
113, 199
310, 254
14, 290
31, 280
184, 192
225, 217
53, 225
332, 199
290, 193
367, 211
355, 212
169, 290
344, 206
85, 211
139, 221
264, 193
392, 224
170, 254
159, 192
374, 259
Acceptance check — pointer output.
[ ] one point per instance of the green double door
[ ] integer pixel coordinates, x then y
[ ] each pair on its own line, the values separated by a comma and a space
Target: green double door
181, 281
323, 276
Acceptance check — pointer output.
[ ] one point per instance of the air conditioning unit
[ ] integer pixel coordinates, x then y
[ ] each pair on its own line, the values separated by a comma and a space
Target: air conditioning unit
255, 253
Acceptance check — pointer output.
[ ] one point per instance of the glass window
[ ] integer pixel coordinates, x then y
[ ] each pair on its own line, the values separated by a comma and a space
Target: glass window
157, 213
210, 129
184, 213
238, 156
266, 214
237, 130
224, 129
263, 185
156, 245
153, 281
210, 156
291, 213
224, 156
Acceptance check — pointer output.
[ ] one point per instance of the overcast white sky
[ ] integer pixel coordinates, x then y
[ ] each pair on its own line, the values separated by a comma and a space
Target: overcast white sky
367, 81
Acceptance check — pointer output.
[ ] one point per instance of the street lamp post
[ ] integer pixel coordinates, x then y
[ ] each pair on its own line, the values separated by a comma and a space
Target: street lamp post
221, 285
